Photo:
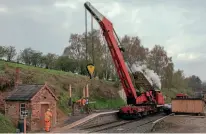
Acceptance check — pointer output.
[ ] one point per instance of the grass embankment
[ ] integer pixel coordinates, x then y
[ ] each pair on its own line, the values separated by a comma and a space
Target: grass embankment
6, 125
104, 93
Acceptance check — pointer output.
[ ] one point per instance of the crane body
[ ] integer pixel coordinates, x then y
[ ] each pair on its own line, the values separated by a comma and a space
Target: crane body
138, 105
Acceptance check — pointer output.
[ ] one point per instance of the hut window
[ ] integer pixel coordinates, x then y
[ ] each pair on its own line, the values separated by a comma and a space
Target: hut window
22, 108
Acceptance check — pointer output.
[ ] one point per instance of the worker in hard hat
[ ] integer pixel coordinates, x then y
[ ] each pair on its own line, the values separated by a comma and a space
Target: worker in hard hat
47, 120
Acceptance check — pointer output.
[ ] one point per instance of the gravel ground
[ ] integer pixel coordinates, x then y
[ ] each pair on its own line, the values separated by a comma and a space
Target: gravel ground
181, 124
139, 126
72, 119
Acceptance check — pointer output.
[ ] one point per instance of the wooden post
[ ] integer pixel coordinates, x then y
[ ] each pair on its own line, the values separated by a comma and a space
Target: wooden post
87, 91
84, 92
70, 96
70, 91
87, 99
24, 124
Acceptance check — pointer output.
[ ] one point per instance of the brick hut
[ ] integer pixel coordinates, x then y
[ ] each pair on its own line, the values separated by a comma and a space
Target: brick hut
35, 99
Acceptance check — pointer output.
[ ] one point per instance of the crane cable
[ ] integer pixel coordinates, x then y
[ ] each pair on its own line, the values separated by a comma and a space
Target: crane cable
86, 37
88, 57
92, 32
86, 34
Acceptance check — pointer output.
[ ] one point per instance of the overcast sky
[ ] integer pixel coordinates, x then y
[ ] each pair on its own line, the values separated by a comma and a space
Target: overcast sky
45, 25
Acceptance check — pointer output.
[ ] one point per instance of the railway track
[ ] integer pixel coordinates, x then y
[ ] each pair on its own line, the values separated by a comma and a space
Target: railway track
124, 125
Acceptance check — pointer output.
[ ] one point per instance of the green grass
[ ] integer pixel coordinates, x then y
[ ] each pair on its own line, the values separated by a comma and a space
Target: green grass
63, 102
107, 103
100, 103
47, 71
6, 125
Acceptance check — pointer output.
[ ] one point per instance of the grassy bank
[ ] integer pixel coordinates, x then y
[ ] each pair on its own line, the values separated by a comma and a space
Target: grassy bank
59, 81
6, 125
108, 103
104, 93
96, 103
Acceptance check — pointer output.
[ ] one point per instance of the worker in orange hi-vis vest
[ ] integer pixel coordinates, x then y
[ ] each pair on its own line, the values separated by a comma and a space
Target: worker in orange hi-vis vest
47, 120
83, 101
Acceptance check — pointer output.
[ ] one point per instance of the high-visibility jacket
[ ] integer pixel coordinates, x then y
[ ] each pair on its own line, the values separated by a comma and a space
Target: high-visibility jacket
82, 102
47, 116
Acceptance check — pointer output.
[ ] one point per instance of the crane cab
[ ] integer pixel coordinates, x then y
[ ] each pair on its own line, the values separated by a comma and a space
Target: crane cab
159, 97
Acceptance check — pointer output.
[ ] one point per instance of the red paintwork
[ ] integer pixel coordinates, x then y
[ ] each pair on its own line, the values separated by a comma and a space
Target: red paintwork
117, 57
141, 99
108, 33
122, 71
181, 95
135, 109
160, 98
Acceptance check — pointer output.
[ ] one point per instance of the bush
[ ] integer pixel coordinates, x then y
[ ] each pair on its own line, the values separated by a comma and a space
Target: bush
6, 125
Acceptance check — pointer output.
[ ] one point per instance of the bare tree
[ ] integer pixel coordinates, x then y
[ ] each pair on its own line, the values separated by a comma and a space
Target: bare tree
2, 51
26, 55
158, 59
36, 58
10, 52
133, 49
49, 60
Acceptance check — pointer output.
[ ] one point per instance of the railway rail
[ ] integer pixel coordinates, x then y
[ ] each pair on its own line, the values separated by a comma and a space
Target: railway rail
138, 125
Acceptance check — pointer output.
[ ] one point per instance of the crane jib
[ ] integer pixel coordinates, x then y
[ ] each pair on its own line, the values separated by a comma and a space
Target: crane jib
117, 57
96, 14
143, 102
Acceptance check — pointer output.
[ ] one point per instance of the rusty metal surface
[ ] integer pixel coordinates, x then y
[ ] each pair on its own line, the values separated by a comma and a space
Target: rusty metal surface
141, 81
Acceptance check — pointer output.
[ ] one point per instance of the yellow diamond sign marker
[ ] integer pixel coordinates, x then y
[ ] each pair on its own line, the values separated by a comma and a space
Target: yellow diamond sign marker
90, 69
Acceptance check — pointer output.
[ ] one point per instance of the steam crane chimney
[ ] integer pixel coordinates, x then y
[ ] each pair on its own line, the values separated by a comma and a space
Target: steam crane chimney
17, 77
